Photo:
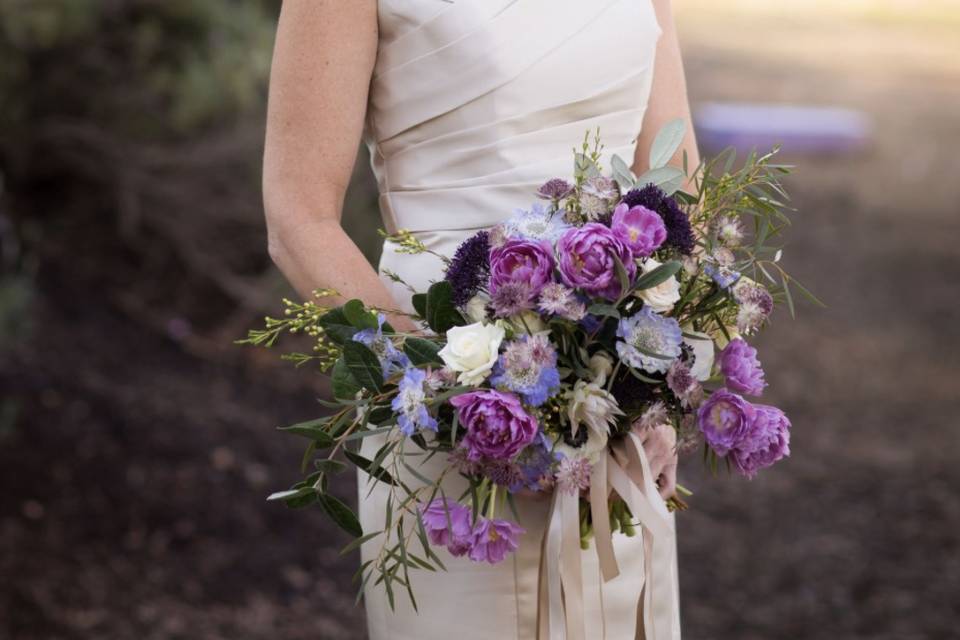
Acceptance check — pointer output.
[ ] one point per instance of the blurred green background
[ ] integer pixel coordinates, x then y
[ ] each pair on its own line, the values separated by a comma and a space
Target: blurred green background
137, 444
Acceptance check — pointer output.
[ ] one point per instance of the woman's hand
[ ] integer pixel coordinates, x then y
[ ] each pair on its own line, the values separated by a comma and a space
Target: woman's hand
660, 445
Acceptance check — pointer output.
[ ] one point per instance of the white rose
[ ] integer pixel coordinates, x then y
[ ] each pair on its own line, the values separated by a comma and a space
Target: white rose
662, 297
702, 346
476, 308
472, 350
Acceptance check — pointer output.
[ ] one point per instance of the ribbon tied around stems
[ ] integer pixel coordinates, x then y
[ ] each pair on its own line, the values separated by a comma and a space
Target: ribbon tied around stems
625, 471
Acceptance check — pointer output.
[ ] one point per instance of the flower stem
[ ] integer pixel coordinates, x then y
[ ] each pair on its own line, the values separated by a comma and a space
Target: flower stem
492, 502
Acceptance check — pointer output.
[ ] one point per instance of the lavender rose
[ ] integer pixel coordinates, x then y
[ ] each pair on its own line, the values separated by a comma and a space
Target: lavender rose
493, 540
496, 423
641, 229
588, 257
521, 260
740, 367
767, 442
725, 419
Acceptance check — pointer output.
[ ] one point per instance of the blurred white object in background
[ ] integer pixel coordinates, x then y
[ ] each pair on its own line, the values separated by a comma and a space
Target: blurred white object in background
798, 129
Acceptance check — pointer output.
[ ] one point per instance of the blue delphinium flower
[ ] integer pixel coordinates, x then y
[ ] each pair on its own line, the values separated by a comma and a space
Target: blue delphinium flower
537, 223
649, 341
723, 276
410, 405
391, 359
528, 367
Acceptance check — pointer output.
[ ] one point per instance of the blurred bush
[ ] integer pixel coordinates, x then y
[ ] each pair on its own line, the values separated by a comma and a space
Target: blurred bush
131, 147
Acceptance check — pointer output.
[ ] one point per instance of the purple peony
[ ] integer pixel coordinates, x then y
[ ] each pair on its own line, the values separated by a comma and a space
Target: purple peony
494, 539
740, 367
767, 442
447, 524
521, 260
725, 419
588, 257
496, 423
641, 229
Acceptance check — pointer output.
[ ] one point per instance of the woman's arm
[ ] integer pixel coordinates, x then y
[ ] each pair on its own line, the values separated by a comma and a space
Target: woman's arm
668, 101
322, 62
668, 97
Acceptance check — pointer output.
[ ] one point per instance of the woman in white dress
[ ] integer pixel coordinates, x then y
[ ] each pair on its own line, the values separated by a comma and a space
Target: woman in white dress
467, 106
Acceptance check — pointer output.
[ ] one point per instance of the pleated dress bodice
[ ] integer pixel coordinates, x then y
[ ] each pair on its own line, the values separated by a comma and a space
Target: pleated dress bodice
474, 103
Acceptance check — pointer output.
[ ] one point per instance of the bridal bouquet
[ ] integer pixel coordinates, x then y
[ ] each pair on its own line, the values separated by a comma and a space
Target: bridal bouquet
614, 308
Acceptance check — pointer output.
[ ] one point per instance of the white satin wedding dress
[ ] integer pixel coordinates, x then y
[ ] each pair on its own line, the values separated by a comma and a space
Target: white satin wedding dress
473, 104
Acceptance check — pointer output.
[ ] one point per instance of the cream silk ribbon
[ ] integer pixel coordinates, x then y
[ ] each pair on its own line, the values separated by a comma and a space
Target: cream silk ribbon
626, 471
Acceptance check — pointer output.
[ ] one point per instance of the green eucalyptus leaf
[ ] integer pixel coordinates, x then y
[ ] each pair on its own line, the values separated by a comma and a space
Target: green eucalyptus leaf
329, 466
358, 315
622, 277
353, 544
419, 302
659, 275
379, 473
668, 140
336, 325
292, 493
343, 384
584, 166
296, 498
441, 313
363, 365
669, 179
421, 351
313, 429
622, 173
341, 514
600, 309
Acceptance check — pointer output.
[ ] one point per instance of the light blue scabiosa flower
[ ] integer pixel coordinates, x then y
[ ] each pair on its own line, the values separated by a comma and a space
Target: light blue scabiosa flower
528, 367
410, 403
649, 341
536, 223
391, 359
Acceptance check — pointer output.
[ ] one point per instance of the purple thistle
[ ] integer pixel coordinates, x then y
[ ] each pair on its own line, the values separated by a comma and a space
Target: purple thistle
470, 267
679, 231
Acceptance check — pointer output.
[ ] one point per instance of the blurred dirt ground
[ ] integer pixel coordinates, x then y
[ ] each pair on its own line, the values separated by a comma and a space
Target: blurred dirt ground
133, 470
